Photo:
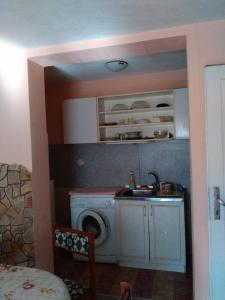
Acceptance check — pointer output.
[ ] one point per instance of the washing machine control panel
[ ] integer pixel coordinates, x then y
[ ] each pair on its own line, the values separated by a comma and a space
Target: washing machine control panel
90, 201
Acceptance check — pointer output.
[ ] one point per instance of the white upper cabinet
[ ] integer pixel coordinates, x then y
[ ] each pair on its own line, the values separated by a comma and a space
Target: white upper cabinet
132, 118
181, 113
80, 121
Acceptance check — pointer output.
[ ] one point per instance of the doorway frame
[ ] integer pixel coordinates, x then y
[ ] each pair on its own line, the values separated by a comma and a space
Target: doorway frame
199, 210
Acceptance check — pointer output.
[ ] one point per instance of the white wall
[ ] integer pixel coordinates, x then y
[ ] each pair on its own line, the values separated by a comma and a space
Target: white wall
15, 142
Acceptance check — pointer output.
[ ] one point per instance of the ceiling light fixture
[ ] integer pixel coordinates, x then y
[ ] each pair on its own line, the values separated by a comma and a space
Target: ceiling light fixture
116, 65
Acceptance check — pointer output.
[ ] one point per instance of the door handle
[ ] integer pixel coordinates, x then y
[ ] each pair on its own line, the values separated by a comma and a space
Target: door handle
217, 202
221, 202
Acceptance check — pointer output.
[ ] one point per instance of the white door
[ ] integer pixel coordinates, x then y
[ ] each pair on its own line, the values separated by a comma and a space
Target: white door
215, 145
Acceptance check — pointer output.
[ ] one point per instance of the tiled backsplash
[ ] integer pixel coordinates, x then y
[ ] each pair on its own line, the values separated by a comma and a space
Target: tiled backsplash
109, 165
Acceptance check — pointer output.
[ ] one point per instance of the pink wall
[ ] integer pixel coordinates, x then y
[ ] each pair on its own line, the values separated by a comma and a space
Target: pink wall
15, 142
80, 89
40, 174
205, 45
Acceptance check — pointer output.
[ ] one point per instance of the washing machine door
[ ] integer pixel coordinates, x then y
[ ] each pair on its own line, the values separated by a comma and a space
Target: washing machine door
91, 220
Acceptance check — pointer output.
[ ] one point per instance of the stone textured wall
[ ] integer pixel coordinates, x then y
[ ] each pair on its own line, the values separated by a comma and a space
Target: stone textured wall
16, 216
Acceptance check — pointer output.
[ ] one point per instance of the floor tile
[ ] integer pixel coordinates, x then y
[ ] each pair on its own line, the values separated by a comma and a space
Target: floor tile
146, 284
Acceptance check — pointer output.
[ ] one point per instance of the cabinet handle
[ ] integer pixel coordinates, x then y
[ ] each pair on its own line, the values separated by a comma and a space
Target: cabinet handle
144, 211
151, 210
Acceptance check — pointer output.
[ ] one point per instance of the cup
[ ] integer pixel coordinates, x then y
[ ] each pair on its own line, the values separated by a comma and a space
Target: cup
165, 188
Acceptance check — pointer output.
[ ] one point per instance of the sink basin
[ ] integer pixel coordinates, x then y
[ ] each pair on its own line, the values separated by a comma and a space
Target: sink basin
138, 194
134, 194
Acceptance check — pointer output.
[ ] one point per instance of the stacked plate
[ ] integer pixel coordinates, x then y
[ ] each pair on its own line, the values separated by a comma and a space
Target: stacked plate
142, 121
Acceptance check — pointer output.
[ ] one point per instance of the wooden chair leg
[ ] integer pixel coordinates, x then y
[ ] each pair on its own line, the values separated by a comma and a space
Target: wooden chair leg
125, 291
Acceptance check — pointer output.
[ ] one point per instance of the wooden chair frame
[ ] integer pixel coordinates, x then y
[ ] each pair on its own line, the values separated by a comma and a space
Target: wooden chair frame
91, 254
125, 291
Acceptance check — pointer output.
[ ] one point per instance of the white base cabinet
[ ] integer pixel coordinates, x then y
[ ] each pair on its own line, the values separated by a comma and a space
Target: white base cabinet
151, 234
167, 235
132, 221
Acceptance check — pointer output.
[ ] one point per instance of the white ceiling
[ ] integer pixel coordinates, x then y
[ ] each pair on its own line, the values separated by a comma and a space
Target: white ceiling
37, 23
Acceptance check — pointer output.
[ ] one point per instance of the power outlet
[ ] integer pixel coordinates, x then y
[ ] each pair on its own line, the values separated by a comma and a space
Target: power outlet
80, 162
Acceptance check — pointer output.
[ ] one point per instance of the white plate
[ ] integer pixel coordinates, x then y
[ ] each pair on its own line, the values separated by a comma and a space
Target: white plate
119, 107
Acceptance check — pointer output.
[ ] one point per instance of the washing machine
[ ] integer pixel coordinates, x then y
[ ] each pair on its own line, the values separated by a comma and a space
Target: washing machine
97, 214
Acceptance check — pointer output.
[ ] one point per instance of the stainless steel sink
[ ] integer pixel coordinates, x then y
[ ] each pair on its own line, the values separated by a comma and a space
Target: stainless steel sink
135, 194
138, 194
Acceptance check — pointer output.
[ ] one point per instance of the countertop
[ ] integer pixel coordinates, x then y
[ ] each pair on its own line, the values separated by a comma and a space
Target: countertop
171, 195
108, 191
112, 191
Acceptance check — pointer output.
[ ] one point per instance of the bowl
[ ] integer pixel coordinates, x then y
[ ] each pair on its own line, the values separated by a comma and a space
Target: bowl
160, 134
142, 121
139, 104
133, 135
162, 105
166, 118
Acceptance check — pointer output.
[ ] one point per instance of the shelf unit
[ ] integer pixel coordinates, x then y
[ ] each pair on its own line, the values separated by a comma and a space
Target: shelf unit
114, 124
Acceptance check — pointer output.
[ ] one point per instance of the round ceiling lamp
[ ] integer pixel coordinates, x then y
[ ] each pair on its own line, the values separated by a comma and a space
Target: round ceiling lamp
116, 65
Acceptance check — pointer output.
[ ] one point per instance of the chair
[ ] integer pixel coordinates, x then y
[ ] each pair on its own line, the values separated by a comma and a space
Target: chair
125, 291
82, 243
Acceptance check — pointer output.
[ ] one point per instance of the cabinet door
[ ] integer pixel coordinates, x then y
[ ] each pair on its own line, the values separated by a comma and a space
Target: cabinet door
80, 121
133, 236
167, 234
181, 113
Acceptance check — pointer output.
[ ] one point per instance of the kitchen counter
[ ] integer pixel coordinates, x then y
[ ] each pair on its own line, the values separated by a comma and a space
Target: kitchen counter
107, 191
173, 196
113, 191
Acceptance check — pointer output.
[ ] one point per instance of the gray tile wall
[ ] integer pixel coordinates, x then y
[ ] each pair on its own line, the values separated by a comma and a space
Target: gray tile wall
109, 165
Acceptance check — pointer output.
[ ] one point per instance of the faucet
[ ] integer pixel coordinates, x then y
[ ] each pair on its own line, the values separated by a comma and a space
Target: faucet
156, 184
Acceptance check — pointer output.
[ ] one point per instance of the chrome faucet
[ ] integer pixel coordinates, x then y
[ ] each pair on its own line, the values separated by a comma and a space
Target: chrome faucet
156, 184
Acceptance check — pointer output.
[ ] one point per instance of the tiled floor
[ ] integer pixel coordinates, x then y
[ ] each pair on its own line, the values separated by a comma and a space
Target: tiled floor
148, 284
